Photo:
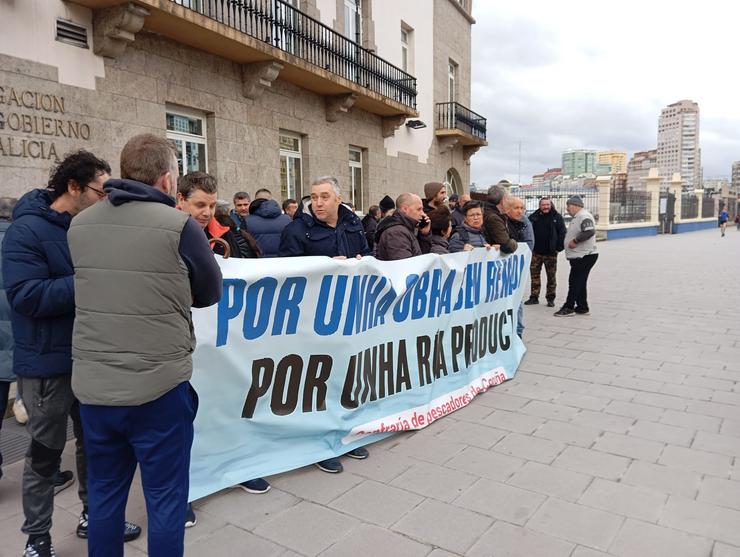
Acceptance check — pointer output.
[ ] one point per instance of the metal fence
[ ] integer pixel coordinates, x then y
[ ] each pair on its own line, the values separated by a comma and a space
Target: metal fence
532, 198
628, 206
689, 206
290, 30
452, 115
707, 207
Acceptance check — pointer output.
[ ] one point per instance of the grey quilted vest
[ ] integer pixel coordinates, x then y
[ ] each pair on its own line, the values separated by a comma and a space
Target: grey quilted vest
133, 333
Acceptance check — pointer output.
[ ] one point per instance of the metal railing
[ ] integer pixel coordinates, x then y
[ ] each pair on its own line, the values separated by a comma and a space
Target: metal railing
689, 206
707, 207
454, 116
628, 206
290, 30
532, 198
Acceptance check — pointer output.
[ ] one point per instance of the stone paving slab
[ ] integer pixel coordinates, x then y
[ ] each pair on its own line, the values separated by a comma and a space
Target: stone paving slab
619, 436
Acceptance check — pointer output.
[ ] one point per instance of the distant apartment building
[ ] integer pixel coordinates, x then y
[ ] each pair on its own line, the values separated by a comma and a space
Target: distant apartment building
261, 94
716, 185
615, 160
678, 143
735, 185
543, 180
639, 166
582, 161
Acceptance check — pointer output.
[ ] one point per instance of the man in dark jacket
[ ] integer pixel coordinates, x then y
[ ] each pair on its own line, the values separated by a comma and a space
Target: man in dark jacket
324, 226
521, 230
6, 333
266, 223
241, 209
495, 221
370, 225
140, 266
549, 233
397, 235
38, 277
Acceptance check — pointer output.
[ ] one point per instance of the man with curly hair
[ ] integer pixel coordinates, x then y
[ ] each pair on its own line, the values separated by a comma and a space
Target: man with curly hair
38, 274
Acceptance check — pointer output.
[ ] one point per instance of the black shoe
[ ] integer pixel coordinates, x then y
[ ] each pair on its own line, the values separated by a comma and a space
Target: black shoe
330, 465
131, 531
62, 480
564, 312
190, 519
551, 303
40, 547
360, 453
582, 311
257, 485
532, 301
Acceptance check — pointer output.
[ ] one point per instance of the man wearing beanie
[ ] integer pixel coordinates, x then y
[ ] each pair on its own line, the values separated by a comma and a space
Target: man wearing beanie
580, 251
435, 194
386, 206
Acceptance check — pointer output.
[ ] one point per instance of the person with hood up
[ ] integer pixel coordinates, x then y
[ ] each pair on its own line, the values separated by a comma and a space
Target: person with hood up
266, 223
397, 235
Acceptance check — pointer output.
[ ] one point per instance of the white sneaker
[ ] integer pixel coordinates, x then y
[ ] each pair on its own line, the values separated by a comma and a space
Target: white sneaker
19, 410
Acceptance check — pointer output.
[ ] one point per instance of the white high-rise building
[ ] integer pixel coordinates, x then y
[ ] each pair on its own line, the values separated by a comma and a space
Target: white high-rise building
678, 143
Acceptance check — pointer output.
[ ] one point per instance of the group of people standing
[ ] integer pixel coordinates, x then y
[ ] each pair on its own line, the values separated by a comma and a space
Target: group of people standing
99, 279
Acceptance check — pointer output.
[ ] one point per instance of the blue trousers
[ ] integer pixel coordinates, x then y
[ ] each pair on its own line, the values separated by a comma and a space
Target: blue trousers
158, 436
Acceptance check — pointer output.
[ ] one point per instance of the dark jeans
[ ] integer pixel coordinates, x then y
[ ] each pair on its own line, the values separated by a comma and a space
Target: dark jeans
48, 402
4, 391
158, 435
579, 270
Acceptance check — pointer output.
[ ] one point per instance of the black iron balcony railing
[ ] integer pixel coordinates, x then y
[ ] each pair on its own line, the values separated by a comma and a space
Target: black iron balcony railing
454, 116
290, 30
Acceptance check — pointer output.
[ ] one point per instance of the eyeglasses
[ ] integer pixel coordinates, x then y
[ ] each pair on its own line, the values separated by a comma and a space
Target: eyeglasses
101, 193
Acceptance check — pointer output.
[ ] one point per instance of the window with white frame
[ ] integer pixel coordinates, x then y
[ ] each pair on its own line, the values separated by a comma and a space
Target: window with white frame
290, 166
452, 80
188, 132
355, 178
404, 49
353, 20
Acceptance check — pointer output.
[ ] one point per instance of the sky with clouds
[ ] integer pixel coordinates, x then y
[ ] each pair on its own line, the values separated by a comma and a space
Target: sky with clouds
583, 74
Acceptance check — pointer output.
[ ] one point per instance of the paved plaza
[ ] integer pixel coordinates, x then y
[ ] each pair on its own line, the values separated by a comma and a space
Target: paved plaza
620, 435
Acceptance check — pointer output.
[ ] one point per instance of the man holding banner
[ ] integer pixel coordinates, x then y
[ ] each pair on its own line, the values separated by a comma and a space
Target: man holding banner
324, 226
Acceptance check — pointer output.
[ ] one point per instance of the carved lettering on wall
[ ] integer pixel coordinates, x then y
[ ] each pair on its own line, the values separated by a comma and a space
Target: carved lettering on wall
47, 119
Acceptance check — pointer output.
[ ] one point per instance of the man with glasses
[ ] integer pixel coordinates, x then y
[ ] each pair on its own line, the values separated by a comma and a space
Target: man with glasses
38, 276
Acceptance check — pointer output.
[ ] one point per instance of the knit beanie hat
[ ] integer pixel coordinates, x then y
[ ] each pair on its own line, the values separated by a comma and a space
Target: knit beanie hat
387, 204
432, 188
575, 200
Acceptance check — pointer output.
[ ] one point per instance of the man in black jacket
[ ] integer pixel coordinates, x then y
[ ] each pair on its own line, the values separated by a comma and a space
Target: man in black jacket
549, 233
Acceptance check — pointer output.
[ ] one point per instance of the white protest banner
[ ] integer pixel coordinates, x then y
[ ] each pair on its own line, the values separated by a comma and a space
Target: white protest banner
307, 358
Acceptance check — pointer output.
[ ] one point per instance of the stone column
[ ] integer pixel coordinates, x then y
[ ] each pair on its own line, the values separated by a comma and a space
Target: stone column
603, 185
652, 186
675, 186
699, 202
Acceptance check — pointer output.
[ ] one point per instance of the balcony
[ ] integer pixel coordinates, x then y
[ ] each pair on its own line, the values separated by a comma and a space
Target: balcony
307, 53
458, 123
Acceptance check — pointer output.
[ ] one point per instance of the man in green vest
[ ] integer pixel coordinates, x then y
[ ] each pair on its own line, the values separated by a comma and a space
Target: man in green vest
140, 265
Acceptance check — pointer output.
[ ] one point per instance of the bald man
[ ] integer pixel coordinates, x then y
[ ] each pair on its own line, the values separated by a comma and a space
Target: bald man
397, 236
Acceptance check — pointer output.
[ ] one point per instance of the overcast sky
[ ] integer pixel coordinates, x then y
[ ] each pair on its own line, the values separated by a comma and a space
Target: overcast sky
562, 75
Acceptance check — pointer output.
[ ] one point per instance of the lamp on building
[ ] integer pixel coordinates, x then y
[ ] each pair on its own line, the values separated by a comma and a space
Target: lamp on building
415, 124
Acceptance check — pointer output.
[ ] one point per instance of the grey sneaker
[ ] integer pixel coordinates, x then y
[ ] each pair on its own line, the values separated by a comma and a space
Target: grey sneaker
62, 480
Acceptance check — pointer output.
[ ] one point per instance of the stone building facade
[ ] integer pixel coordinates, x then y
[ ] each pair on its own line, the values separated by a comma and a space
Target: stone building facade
249, 113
